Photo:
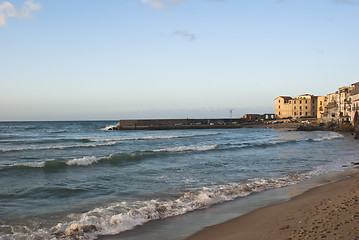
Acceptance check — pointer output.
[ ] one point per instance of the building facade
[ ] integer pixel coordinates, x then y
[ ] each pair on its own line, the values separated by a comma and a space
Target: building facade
339, 107
354, 100
305, 105
344, 104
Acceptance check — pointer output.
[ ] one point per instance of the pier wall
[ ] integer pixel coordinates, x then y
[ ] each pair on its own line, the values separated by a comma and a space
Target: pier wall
157, 124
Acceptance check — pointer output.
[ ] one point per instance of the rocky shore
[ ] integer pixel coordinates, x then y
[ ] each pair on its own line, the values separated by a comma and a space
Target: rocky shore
345, 127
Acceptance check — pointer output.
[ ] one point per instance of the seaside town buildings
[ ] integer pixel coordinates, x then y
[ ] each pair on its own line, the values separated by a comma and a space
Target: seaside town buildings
339, 107
302, 106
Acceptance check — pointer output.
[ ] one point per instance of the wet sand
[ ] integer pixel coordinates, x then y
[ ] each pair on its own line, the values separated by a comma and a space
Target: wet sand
327, 212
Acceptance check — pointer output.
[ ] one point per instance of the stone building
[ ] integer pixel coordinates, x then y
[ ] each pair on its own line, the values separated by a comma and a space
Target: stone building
354, 101
305, 105
283, 107
321, 106
344, 104
331, 108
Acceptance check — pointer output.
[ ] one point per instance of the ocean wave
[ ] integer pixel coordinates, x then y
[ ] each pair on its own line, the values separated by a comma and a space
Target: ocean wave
150, 137
187, 148
84, 161
328, 136
109, 127
122, 216
60, 147
113, 159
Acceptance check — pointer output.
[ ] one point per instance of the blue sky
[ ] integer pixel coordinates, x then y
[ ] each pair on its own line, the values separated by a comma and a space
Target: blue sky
111, 59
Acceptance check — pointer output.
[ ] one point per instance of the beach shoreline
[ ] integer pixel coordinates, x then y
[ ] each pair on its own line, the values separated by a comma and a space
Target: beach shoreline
197, 224
330, 211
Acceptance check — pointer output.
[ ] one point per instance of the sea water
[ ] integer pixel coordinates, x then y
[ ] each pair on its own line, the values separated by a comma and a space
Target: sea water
77, 180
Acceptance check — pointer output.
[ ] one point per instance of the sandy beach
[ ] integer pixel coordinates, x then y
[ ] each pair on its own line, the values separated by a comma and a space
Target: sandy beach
330, 211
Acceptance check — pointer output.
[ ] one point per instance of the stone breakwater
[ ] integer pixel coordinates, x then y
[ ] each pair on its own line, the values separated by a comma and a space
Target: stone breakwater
166, 124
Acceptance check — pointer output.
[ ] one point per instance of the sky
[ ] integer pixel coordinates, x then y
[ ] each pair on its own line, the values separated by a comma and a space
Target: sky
111, 59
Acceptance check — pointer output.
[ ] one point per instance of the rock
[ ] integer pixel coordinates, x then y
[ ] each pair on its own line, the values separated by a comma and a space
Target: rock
6, 230
283, 227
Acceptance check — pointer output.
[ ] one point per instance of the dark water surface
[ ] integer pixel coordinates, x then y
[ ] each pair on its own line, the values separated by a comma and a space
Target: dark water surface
77, 180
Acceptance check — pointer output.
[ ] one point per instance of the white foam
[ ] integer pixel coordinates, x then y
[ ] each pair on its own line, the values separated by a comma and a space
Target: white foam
83, 161
151, 137
187, 148
60, 147
123, 216
31, 165
329, 136
109, 127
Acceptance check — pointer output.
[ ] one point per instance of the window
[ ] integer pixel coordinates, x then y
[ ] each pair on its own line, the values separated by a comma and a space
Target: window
300, 113
306, 107
279, 106
300, 107
295, 102
279, 101
306, 113
290, 101
295, 107
300, 101
279, 113
306, 101
313, 101
321, 109
321, 103
295, 113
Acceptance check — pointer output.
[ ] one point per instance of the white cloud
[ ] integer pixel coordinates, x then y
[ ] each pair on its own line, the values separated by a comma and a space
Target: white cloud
161, 3
185, 34
7, 10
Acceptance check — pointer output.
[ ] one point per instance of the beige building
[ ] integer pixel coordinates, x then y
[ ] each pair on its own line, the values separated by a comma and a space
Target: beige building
354, 101
283, 107
321, 103
305, 105
331, 108
344, 104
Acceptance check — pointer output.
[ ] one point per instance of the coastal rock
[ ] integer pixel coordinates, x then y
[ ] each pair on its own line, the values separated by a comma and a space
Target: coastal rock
311, 127
6, 229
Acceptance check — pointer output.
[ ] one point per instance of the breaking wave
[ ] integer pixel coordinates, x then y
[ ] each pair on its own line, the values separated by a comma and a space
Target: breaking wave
150, 138
187, 148
122, 216
109, 127
113, 159
329, 136
60, 147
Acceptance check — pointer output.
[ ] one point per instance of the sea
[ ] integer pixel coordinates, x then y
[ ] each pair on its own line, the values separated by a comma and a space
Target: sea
79, 180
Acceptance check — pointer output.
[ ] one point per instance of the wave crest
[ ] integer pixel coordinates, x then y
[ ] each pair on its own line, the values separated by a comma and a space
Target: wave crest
187, 148
59, 147
123, 216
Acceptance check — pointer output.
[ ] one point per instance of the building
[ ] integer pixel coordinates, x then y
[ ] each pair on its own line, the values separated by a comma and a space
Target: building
331, 108
344, 104
354, 101
339, 107
283, 107
258, 117
321, 103
305, 105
